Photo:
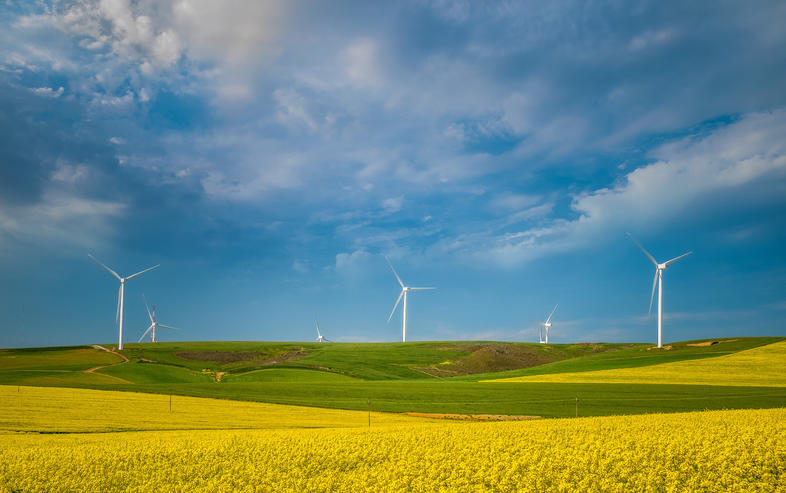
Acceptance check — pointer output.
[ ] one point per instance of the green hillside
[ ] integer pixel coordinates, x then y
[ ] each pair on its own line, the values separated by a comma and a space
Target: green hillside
438, 377
638, 356
194, 362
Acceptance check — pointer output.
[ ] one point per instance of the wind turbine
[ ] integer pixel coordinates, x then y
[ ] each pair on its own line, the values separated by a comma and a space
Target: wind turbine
546, 326
123, 280
320, 337
658, 279
153, 324
404, 291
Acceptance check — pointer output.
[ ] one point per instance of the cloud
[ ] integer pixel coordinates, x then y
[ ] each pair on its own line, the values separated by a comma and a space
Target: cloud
650, 39
292, 110
70, 173
59, 220
684, 173
393, 204
509, 201
300, 266
361, 66
48, 92
238, 34
353, 264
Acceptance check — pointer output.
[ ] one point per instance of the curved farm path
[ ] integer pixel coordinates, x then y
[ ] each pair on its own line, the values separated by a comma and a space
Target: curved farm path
125, 360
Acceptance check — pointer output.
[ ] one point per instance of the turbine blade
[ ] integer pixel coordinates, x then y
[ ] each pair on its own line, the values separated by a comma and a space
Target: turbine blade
394, 271
419, 289
396, 305
319, 334
146, 332
167, 327
148, 309
668, 262
105, 267
141, 272
642, 249
652, 296
552, 313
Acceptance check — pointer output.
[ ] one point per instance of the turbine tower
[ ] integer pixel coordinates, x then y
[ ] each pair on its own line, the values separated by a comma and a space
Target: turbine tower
404, 291
120, 295
546, 326
153, 323
658, 279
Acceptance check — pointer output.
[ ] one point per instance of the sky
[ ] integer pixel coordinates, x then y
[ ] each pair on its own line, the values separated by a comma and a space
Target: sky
269, 155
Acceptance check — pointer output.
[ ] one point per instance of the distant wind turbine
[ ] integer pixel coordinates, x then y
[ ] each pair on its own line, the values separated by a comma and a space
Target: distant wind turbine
153, 323
658, 279
546, 326
320, 337
404, 291
120, 295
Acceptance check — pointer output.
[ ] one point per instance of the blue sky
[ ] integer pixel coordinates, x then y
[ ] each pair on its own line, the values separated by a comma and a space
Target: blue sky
268, 155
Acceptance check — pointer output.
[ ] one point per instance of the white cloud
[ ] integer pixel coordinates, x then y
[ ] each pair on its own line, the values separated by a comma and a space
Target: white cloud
69, 173
238, 33
684, 174
537, 211
393, 204
292, 110
513, 201
48, 92
235, 37
650, 39
59, 220
300, 267
360, 59
353, 264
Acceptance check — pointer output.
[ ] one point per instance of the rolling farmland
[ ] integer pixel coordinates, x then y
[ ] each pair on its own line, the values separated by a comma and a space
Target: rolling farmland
307, 417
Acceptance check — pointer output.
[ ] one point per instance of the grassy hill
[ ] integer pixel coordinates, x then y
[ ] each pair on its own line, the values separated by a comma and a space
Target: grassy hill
638, 356
195, 362
438, 377
759, 367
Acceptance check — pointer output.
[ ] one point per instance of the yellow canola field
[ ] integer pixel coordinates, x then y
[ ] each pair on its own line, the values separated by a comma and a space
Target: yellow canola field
759, 367
701, 451
60, 410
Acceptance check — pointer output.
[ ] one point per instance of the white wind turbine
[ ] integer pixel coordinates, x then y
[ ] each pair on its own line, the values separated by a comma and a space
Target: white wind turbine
120, 295
404, 291
320, 337
658, 279
546, 326
153, 323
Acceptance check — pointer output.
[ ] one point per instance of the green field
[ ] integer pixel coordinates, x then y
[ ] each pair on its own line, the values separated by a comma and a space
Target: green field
430, 377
